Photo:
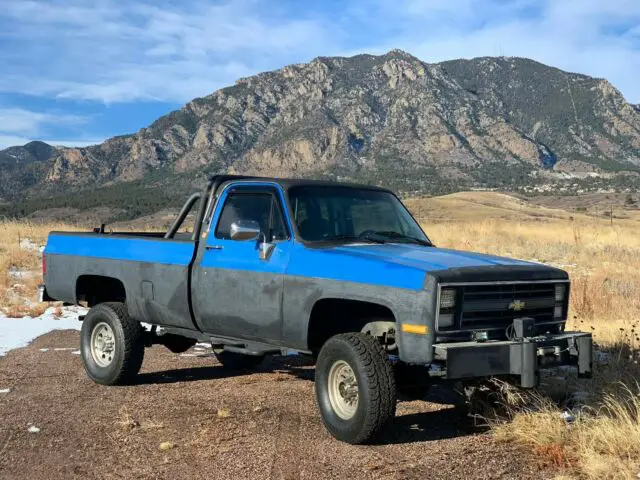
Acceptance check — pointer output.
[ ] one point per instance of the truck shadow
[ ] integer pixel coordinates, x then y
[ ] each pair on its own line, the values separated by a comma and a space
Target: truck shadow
296, 365
192, 374
430, 426
445, 421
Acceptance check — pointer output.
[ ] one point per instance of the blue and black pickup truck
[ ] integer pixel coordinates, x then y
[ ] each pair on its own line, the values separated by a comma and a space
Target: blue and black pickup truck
336, 271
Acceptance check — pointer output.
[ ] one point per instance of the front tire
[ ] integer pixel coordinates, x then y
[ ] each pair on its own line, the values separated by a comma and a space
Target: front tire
111, 344
355, 388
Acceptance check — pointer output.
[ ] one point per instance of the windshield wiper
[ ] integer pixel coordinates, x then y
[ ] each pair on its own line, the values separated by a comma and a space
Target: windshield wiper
402, 236
369, 237
381, 237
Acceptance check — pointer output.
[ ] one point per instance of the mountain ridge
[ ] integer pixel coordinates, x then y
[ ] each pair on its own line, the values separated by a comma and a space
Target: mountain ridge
486, 122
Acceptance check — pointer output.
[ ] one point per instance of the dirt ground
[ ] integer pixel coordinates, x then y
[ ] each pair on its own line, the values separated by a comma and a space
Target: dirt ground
261, 425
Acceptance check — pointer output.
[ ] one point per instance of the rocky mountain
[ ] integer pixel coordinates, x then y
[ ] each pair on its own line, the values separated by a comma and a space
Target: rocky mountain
389, 119
22, 167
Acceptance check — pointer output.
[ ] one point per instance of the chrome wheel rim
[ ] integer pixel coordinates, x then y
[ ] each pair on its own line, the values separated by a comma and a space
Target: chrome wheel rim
103, 345
343, 390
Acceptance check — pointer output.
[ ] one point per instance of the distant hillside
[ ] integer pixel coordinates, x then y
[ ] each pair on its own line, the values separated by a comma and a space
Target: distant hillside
390, 119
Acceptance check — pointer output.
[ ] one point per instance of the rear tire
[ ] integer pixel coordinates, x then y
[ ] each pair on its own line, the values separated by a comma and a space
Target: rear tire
237, 361
355, 388
111, 344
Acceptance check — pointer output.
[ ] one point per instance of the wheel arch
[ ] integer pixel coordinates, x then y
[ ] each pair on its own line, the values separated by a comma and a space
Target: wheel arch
95, 289
330, 316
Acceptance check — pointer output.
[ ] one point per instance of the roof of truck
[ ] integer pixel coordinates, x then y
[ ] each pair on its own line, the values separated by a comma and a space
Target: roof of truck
287, 183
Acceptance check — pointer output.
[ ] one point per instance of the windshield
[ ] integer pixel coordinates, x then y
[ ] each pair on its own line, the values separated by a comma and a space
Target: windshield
343, 213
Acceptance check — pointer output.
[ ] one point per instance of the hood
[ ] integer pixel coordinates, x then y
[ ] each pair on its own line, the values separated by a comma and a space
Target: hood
427, 259
408, 266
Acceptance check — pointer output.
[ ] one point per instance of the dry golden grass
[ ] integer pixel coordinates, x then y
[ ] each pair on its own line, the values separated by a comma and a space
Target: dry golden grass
603, 261
21, 264
603, 442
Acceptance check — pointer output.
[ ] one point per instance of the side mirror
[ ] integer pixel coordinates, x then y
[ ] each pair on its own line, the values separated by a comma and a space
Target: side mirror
245, 230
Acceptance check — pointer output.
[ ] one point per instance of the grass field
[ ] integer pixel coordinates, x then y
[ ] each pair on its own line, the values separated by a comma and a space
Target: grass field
20, 266
603, 259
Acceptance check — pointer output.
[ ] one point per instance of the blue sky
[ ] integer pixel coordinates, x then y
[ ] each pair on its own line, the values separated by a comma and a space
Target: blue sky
76, 72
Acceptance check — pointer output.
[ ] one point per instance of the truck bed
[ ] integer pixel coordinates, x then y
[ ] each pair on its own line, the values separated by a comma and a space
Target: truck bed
152, 271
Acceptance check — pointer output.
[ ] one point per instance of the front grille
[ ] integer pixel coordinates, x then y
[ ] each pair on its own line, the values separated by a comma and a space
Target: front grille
486, 307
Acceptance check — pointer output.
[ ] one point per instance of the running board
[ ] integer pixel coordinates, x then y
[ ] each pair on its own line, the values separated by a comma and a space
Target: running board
255, 349
252, 350
234, 345
184, 332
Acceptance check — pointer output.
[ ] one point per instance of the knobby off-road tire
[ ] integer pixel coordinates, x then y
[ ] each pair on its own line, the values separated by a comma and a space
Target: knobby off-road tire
237, 361
358, 357
118, 346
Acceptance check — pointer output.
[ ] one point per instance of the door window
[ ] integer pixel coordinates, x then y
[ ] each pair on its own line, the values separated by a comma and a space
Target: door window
260, 207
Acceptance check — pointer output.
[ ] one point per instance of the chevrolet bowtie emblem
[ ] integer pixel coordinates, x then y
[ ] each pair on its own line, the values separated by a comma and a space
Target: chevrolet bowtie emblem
516, 305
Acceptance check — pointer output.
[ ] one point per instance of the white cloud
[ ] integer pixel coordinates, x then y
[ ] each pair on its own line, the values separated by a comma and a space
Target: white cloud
13, 140
19, 126
121, 51
74, 143
124, 51
27, 122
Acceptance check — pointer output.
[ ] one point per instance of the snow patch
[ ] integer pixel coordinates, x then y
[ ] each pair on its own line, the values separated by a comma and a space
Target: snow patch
580, 397
17, 274
33, 429
19, 332
568, 416
44, 349
5, 390
76, 352
28, 244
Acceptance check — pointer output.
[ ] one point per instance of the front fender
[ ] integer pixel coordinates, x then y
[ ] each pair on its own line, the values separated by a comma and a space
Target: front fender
407, 306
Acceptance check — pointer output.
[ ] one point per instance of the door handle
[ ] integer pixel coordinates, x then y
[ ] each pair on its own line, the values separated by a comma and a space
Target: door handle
213, 247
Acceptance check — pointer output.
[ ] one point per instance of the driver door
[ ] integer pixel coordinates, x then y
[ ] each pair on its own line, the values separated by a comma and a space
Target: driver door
236, 291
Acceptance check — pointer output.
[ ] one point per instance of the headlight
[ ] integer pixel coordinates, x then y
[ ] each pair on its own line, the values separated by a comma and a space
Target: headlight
447, 298
445, 320
561, 300
558, 311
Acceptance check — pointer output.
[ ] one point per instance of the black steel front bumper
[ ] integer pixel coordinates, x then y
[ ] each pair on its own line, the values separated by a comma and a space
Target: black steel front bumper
523, 358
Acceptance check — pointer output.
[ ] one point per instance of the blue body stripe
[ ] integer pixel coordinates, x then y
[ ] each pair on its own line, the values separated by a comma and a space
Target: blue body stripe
333, 265
302, 261
114, 248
